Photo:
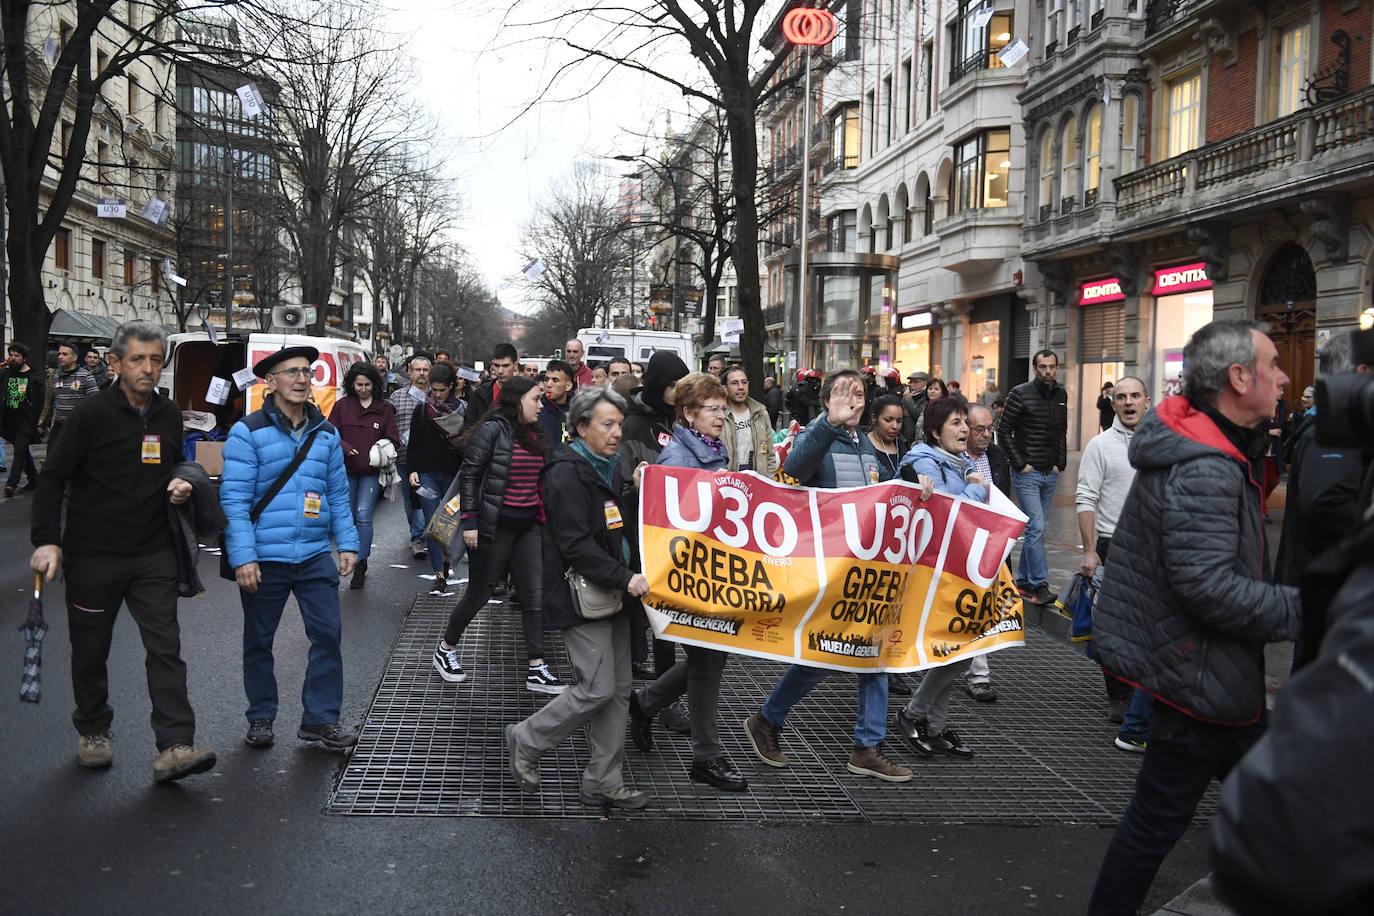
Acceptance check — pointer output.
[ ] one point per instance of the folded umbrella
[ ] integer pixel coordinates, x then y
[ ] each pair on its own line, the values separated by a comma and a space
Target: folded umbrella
33, 628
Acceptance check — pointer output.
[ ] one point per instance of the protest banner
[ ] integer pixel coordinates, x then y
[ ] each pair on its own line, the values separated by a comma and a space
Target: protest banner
862, 579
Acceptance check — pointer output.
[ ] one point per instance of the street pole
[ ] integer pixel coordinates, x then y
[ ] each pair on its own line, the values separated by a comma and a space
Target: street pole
634, 256
805, 202
228, 239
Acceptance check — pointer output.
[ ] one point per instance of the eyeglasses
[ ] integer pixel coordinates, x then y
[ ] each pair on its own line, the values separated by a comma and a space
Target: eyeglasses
298, 372
980, 429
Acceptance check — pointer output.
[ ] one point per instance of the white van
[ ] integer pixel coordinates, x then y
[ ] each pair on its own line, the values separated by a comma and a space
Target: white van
637, 346
193, 361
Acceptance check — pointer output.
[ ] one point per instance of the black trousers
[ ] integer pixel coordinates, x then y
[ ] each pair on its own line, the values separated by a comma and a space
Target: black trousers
96, 587
518, 548
23, 463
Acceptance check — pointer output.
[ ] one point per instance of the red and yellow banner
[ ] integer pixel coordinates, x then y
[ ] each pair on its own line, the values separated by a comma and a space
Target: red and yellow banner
863, 579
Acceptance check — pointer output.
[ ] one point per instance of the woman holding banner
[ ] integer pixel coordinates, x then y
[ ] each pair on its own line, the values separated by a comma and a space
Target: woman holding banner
700, 401
584, 500
831, 452
943, 457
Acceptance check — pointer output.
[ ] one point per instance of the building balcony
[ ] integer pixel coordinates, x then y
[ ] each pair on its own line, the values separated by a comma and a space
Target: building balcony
976, 240
1315, 149
774, 315
820, 141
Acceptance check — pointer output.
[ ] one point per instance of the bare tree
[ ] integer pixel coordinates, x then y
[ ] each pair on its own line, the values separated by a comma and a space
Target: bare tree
44, 86
721, 36
404, 225
579, 235
344, 116
454, 308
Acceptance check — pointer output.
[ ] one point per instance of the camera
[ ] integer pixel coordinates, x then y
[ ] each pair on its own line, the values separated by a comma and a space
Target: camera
1345, 402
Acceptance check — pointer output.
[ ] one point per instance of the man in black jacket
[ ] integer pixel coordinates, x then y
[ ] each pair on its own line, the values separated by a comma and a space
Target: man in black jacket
1034, 431
772, 399
21, 404
1186, 605
553, 406
117, 454
503, 368
804, 398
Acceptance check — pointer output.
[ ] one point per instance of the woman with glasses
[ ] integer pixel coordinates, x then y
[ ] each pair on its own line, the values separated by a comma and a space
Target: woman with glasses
433, 455
699, 399
363, 418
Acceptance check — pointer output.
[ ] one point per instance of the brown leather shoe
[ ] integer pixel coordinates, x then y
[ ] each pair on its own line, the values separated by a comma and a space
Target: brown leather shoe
869, 761
763, 737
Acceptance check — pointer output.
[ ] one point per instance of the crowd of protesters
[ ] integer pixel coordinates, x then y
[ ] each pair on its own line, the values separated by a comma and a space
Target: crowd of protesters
542, 468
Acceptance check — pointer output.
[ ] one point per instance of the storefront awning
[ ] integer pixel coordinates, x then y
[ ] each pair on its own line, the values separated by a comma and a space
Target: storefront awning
66, 323
729, 350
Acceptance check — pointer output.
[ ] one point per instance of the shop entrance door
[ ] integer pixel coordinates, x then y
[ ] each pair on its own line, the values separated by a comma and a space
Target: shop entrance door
1288, 301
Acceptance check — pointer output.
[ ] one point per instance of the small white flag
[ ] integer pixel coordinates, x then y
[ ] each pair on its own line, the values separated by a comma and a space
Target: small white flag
245, 378
533, 269
1106, 91
982, 17
210, 332
155, 211
108, 208
1013, 52
179, 281
218, 392
472, 375
251, 99
603, 337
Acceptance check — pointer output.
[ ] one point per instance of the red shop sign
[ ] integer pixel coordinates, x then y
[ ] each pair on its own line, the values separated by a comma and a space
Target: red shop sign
1181, 279
1096, 292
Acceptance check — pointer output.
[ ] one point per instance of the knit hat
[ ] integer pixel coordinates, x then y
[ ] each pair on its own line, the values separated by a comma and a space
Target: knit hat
664, 369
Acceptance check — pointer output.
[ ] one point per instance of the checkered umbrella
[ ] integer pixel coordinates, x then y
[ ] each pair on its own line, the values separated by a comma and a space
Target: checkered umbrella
33, 628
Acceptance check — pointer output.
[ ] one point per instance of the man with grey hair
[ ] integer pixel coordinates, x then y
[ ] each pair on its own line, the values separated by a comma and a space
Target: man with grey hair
1322, 505
118, 455
574, 354
1187, 604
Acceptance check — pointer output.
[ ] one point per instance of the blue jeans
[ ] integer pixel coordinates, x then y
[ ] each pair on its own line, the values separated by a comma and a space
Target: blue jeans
1183, 757
315, 583
439, 484
414, 513
1035, 492
870, 719
363, 492
1137, 721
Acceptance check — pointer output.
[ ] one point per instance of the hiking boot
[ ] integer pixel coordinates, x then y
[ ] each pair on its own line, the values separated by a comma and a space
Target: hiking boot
719, 773
523, 769
540, 679
983, 693
181, 760
259, 733
330, 734
763, 737
447, 664
675, 719
1130, 745
869, 761
641, 724
359, 575
1043, 595
625, 797
95, 751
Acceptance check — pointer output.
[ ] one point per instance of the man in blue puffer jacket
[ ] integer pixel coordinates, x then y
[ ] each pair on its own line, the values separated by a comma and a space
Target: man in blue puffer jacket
284, 547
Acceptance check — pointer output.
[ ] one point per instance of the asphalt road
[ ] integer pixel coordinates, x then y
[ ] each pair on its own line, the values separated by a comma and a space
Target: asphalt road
251, 837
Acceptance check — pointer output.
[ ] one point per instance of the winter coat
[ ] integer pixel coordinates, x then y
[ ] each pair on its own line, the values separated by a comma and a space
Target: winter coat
1034, 426
481, 399
360, 428
1291, 834
772, 402
914, 411
197, 521
259, 448
940, 468
804, 402
688, 451
826, 456
643, 434
430, 452
554, 420
1184, 611
765, 460
483, 476
578, 533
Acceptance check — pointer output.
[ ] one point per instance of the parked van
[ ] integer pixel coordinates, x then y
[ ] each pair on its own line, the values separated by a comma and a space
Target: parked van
193, 361
637, 346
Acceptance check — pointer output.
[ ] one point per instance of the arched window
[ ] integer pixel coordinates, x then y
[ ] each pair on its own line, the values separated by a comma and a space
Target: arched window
882, 226
927, 206
1130, 132
903, 214
1068, 176
1046, 174
1092, 163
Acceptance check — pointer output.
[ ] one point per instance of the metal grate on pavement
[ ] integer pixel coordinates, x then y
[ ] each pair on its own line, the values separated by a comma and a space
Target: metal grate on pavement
430, 748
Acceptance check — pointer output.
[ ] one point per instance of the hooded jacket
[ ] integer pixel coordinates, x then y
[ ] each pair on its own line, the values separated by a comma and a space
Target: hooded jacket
1035, 425
1184, 611
580, 533
258, 449
648, 425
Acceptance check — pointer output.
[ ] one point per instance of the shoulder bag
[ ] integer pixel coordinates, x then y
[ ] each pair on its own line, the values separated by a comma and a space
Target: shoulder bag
225, 570
589, 600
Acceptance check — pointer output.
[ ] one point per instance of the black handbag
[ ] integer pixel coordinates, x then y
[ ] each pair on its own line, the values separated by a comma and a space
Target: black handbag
225, 570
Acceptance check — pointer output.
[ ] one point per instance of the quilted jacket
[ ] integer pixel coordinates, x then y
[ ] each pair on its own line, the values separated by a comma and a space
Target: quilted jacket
484, 473
829, 456
1184, 611
254, 456
1034, 427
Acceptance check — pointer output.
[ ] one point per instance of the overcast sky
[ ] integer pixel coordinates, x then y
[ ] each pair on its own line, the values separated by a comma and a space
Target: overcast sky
477, 76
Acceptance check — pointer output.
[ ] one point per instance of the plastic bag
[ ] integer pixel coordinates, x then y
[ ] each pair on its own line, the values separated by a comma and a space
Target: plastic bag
446, 525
